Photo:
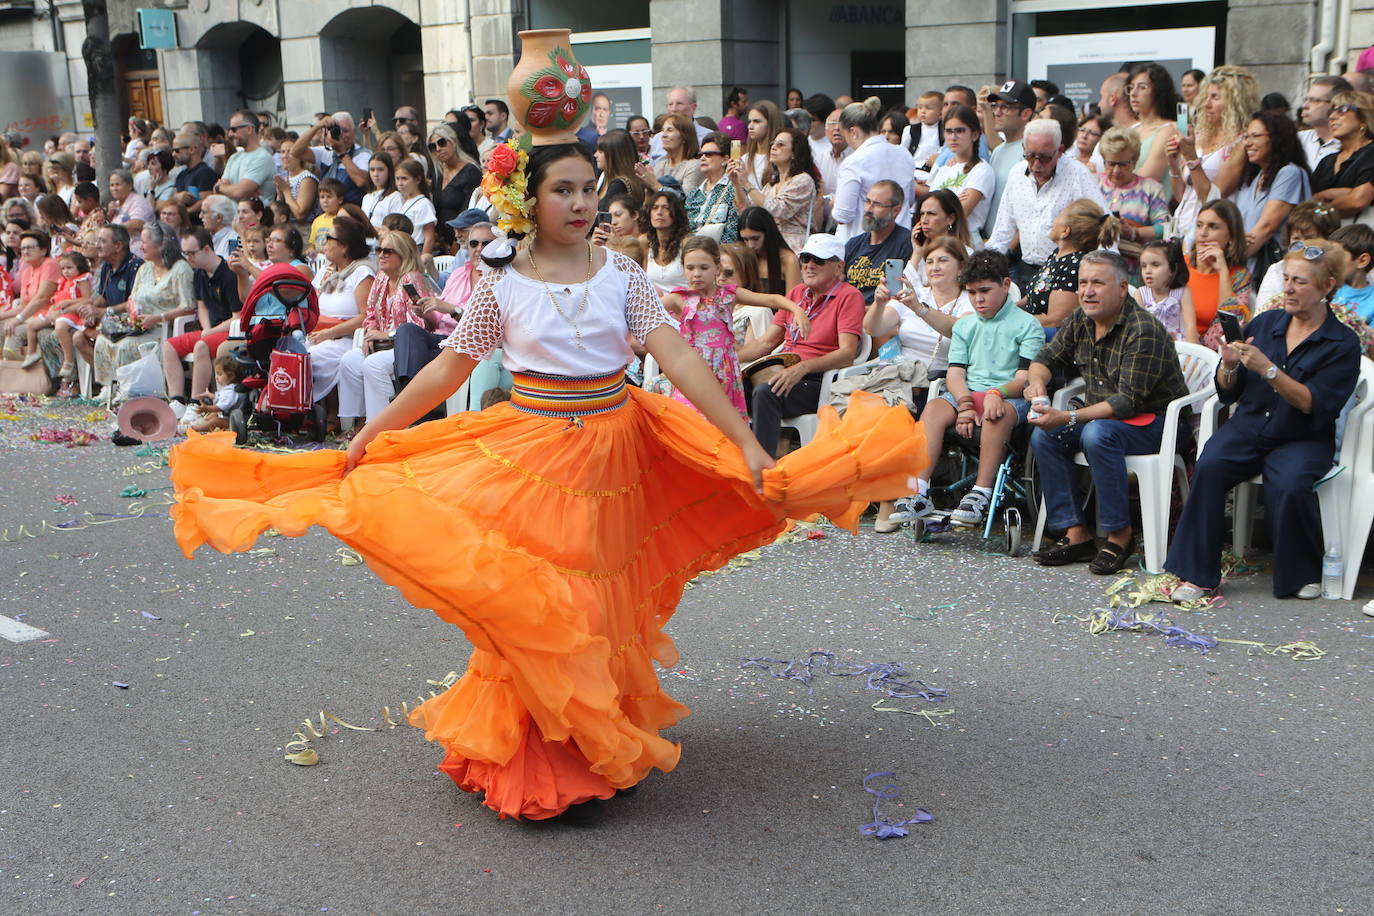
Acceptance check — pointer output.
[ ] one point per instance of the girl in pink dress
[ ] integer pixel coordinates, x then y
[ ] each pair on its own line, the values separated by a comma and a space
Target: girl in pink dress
705, 310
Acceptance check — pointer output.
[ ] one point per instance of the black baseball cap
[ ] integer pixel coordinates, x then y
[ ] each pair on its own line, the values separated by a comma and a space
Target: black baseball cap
1015, 92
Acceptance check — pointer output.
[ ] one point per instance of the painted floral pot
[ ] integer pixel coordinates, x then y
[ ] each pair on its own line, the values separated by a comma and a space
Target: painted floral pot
549, 90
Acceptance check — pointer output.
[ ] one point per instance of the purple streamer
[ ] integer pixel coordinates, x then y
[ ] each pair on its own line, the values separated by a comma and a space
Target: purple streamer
880, 827
1129, 619
889, 678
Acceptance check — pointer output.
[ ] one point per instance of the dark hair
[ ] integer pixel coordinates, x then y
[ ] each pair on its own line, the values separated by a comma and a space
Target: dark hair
633, 118
1045, 86
969, 118
53, 209
1357, 238
231, 366
701, 243
1336, 83
1068, 124
1276, 102
255, 204
355, 213
1235, 225
349, 233
899, 120
987, 264
333, 186
117, 232
500, 104
294, 243
202, 236
1161, 84
819, 106
385, 159
1173, 259
802, 163
86, 190
39, 236
632, 206
249, 116
736, 94
758, 219
951, 207
1198, 76
164, 158
78, 260
968, 93
681, 228
619, 153
1284, 149
399, 222
541, 158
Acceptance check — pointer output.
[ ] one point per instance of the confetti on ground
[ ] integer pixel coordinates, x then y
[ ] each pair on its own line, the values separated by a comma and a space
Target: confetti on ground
1130, 619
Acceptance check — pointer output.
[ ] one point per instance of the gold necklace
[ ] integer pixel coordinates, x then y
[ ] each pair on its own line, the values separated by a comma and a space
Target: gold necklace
582, 307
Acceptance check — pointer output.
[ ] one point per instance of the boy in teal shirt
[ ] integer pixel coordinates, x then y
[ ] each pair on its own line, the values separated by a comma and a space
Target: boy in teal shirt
989, 353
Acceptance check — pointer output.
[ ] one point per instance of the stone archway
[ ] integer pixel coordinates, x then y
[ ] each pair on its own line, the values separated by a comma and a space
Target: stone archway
239, 66
370, 57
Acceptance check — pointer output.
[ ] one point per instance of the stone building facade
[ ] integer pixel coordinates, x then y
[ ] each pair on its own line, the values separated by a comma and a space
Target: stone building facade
297, 57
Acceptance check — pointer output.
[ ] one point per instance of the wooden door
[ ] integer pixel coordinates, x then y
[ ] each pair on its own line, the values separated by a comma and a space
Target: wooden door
143, 90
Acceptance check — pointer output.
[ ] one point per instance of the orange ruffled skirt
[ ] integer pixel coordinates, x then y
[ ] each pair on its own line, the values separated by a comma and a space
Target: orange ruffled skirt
560, 548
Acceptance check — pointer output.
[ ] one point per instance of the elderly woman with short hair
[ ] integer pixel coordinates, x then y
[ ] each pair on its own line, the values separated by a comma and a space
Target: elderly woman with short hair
162, 292
1139, 202
126, 208
217, 215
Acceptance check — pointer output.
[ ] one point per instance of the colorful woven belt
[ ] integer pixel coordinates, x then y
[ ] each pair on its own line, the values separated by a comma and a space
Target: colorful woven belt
567, 396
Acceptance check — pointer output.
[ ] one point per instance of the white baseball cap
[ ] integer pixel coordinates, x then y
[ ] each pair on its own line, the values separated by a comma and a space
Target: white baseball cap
825, 246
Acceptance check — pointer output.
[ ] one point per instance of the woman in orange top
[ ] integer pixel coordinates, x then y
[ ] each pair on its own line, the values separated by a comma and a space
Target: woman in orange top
1217, 264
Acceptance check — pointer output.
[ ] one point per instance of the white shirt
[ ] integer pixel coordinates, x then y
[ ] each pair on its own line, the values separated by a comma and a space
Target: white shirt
513, 311
919, 340
1030, 210
222, 239
875, 160
826, 163
1315, 148
377, 205
929, 145
420, 211
981, 178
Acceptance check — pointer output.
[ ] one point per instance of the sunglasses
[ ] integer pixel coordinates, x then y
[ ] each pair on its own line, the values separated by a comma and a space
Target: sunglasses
1345, 109
478, 243
1118, 164
808, 258
1310, 252
435, 145
331, 238
1038, 157
382, 251
707, 152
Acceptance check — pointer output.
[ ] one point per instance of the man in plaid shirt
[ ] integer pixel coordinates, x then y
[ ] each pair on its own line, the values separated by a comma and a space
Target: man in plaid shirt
1129, 363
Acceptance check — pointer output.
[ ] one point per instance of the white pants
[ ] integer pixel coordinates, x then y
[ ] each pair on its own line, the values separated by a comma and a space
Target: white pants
325, 358
366, 384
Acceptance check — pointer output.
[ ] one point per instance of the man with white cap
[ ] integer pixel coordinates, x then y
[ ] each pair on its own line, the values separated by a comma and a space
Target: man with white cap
835, 310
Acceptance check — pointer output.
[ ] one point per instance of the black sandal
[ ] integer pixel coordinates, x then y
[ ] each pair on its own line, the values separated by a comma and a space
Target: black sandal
1109, 559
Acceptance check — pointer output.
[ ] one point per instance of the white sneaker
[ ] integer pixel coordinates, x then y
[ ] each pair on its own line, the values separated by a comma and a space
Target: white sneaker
910, 508
1309, 592
30, 360
178, 408
972, 509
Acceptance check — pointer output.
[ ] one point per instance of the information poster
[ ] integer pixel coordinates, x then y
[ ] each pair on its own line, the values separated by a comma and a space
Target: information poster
1078, 64
621, 91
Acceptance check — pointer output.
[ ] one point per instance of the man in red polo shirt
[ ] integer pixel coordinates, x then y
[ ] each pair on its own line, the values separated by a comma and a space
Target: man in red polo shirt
836, 311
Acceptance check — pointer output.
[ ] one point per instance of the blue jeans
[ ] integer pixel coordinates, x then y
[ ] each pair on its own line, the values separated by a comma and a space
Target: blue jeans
1105, 443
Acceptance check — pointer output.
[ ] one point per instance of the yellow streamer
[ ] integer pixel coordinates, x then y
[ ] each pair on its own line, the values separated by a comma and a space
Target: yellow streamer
930, 715
84, 520
299, 750
1301, 650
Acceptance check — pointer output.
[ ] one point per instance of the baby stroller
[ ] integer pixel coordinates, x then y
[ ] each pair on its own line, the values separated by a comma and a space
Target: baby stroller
278, 399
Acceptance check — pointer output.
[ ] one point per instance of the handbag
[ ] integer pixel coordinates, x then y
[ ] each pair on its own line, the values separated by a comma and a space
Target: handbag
116, 327
1270, 253
713, 230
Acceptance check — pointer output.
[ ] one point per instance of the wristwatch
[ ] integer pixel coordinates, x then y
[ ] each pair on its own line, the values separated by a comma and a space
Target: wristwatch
1271, 372
1073, 416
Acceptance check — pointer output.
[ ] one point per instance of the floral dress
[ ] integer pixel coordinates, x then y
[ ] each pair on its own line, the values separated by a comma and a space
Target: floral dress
707, 324
150, 296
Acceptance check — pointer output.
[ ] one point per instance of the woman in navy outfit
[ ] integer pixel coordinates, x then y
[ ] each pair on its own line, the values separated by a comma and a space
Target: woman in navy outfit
1289, 377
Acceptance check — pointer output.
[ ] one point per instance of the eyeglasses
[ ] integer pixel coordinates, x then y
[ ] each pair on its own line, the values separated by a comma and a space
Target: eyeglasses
1118, 164
640, 133
382, 251
877, 204
1086, 132
439, 144
807, 258
1310, 252
956, 131
1315, 101
1043, 158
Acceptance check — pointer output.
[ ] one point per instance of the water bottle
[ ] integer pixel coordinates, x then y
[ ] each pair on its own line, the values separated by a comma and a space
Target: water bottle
1333, 574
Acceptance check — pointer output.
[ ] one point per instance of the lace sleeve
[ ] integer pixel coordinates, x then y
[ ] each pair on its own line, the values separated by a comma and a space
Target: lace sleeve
643, 308
479, 330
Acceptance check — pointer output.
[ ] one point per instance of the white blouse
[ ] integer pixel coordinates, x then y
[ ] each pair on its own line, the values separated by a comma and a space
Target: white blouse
919, 340
537, 325
342, 303
378, 205
420, 211
666, 277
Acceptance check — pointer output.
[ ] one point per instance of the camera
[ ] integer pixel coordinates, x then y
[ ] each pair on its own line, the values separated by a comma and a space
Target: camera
335, 131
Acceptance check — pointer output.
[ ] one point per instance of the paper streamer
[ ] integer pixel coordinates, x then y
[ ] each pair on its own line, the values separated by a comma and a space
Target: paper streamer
299, 750
880, 827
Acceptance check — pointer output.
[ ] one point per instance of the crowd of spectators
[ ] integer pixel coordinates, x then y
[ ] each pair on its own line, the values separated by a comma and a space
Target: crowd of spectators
999, 239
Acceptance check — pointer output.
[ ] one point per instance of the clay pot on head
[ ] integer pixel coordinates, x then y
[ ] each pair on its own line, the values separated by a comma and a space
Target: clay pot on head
550, 92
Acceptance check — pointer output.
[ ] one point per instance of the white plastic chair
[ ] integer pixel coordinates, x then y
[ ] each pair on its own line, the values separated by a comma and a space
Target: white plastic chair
442, 262
1155, 474
85, 372
807, 424
1346, 497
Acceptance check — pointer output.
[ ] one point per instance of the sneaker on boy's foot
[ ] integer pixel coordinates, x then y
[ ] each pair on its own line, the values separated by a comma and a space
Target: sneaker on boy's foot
910, 508
972, 508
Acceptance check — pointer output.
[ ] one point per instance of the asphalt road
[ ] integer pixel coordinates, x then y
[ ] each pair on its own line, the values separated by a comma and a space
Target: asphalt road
1077, 773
